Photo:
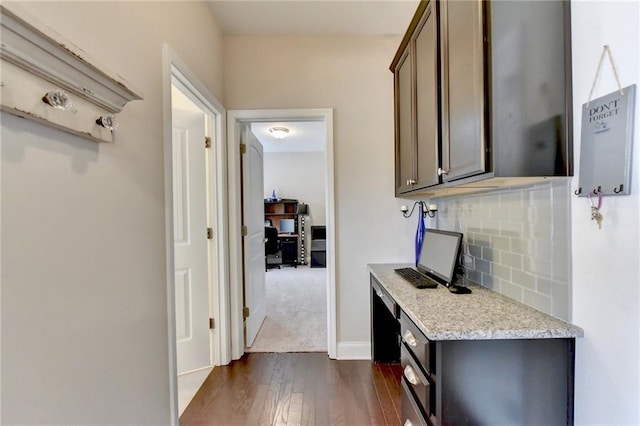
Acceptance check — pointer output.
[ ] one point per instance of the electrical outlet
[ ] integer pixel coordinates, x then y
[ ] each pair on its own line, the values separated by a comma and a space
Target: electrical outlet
468, 261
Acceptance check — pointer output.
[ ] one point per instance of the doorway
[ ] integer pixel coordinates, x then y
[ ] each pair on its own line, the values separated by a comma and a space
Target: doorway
294, 199
196, 229
235, 121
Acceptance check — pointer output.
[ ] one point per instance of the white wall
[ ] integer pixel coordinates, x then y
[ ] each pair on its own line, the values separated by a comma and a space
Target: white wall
300, 176
349, 74
84, 292
606, 271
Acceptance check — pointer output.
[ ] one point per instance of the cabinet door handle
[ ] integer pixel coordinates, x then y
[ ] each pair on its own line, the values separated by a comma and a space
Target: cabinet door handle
412, 182
407, 423
410, 375
442, 171
410, 338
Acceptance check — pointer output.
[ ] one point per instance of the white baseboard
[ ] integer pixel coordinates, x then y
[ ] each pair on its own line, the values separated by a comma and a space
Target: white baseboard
354, 350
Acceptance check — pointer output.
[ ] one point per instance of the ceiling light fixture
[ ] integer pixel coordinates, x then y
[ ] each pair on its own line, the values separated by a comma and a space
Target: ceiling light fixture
279, 132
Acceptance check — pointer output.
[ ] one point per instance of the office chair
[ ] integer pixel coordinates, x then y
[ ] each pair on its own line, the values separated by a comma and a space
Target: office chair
272, 249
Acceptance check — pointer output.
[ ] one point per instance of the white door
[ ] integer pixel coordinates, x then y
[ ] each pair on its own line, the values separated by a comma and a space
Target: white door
253, 243
190, 241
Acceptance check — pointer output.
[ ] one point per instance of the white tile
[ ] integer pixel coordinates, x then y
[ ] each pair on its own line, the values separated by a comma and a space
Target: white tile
537, 266
523, 279
512, 260
543, 286
483, 266
519, 239
510, 290
537, 301
490, 282
500, 243
560, 303
502, 272
490, 227
491, 254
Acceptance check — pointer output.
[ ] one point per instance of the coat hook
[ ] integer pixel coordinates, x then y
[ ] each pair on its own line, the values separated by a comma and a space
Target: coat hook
58, 99
108, 121
597, 190
618, 189
578, 191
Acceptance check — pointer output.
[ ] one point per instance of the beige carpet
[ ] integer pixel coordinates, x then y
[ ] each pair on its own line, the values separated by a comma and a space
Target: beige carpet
296, 311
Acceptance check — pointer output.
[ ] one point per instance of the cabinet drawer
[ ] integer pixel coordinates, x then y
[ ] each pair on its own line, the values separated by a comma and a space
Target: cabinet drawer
411, 415
384, 297
416, 381
417, 343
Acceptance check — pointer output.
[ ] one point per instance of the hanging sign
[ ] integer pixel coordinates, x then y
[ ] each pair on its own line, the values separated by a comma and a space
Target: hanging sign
607, 139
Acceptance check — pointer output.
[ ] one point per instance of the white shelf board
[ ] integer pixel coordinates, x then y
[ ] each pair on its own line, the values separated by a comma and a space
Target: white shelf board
35, 59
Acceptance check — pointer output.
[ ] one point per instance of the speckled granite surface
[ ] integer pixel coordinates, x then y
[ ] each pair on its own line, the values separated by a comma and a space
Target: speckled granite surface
481, 315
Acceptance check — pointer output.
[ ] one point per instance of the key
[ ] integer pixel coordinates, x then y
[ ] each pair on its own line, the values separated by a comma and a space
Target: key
597, 216
599, 219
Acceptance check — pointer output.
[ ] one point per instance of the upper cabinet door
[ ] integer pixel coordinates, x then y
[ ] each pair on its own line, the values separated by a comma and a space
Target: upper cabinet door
531, 106
427, 134
405, 177
463, 103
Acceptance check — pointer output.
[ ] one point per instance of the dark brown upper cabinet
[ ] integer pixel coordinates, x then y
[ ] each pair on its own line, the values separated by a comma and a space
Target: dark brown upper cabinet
416, 105
483, 96
463, 102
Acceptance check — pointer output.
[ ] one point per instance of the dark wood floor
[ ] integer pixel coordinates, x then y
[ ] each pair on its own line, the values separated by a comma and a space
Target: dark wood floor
297, 389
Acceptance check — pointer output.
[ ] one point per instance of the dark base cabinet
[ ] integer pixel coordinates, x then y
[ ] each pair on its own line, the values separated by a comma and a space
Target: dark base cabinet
505, 382
492, 382
385, 328
473, 382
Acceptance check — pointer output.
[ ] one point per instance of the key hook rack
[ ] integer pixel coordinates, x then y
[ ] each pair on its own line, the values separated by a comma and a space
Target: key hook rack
607, 138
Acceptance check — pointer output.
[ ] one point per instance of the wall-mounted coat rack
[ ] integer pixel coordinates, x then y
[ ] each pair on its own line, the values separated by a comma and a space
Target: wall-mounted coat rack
47, 79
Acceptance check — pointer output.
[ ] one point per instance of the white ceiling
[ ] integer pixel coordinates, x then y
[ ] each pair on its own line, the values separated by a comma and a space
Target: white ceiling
304, 136
313, 17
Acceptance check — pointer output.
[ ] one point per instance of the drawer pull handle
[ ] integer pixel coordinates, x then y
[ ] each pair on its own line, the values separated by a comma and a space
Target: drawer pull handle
407, 423
410, 375
410, 338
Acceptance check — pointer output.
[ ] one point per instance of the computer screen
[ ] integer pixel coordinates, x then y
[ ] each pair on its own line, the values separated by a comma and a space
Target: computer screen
439, 255
287, 226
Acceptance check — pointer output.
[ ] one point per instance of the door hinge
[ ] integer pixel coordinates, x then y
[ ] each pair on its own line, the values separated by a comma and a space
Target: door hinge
212, 323
207, 142
245, 312
243, 148
209, 233
244, 231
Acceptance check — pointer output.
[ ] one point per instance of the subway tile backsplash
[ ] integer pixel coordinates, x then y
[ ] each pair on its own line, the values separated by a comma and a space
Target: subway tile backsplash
519, 241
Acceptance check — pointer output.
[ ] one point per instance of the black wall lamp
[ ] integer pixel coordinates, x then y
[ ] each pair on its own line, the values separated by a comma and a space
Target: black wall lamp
427, 209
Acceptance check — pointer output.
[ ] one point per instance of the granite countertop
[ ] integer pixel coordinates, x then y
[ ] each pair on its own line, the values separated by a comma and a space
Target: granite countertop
481, 315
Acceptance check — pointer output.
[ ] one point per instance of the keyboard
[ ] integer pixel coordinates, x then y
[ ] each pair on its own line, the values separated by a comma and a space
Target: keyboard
415, 278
